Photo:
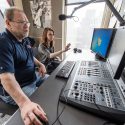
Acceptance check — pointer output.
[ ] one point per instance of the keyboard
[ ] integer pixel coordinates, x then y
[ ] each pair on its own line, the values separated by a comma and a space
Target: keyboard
65, 71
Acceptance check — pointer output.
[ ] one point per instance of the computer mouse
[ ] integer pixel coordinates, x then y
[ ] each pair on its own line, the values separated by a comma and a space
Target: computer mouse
79, 50
75, 50
43, 122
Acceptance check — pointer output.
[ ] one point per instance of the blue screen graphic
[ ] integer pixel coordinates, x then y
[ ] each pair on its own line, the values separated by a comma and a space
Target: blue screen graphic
101, 41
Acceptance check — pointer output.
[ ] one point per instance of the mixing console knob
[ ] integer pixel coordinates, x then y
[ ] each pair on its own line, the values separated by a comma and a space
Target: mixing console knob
76, 83
76, 97
101, 88
76, 94
101, 92
75, 87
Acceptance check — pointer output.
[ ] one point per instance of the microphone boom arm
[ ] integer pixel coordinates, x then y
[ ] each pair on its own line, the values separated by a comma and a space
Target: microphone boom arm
83, 4
109, 4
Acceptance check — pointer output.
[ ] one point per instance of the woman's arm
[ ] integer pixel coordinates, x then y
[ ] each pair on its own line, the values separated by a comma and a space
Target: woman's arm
52, 55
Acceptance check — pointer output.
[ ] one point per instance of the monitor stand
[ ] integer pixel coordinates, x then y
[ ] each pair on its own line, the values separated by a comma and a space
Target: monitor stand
97, 57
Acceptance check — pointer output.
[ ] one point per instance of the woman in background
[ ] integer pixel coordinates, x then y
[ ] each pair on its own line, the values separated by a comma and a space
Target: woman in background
46, 49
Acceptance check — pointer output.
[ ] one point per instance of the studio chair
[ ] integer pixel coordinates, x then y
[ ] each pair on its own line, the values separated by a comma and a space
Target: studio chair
6, 108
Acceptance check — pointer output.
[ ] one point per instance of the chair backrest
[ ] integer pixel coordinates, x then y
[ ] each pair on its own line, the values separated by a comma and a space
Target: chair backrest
36, 53
38, 40
7, 108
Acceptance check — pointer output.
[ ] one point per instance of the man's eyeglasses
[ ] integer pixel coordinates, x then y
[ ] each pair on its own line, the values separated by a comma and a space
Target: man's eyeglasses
21, 22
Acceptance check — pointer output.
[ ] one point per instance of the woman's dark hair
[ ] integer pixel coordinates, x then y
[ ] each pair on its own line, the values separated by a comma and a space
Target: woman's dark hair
44, 37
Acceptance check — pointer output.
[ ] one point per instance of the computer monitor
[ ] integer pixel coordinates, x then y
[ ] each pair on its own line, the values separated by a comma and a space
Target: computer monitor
123, 75
120, 67
101, 41
116, 56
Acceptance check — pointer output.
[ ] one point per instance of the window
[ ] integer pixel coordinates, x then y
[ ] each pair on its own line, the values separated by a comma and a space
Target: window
71, 2
79, 34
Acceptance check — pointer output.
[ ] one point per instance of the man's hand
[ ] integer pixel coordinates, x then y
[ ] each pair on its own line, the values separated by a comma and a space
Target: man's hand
42, 69
29, 110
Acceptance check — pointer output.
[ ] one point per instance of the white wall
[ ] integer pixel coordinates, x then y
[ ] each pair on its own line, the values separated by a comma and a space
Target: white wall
56, 23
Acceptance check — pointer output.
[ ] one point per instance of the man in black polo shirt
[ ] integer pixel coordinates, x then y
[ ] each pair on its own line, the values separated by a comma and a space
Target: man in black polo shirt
17, 67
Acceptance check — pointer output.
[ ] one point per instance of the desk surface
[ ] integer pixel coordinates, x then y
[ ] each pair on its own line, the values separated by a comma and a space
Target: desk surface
47, 96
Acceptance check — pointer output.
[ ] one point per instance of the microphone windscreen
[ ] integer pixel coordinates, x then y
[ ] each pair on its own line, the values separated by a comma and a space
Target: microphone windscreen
62, 17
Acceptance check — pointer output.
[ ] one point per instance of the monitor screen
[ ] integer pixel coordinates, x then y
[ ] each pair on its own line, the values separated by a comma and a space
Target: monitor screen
101, 41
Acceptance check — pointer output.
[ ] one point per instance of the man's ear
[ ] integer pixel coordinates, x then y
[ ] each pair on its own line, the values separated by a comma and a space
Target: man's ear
8, 23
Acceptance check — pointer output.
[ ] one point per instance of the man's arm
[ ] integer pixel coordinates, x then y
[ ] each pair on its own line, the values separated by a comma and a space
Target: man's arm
27, 107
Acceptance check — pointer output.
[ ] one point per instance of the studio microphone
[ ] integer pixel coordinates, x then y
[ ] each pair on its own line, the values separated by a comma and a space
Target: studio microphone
64, 17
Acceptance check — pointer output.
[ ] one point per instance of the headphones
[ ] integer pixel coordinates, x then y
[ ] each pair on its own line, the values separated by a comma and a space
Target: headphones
77, 50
